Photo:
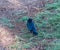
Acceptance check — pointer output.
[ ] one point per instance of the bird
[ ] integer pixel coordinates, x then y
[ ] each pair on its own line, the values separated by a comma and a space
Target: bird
31, 27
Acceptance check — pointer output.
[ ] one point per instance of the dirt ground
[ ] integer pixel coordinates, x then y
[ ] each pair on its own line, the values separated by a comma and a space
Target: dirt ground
11, 9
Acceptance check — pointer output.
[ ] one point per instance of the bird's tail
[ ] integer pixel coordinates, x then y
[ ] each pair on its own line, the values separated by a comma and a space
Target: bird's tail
35, 33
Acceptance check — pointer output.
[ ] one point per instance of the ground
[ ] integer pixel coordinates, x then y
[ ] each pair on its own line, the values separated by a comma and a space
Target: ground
14, 34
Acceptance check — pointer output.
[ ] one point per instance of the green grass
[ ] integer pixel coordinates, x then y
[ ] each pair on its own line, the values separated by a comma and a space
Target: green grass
47, 24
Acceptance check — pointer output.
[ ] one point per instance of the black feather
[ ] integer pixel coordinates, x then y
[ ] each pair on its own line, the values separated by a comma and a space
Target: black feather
31, 26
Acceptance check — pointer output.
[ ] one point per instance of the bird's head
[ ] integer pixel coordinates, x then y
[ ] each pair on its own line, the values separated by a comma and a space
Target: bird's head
29, 20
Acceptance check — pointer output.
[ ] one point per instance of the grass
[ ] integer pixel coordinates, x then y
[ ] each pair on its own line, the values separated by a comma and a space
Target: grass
47, 24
